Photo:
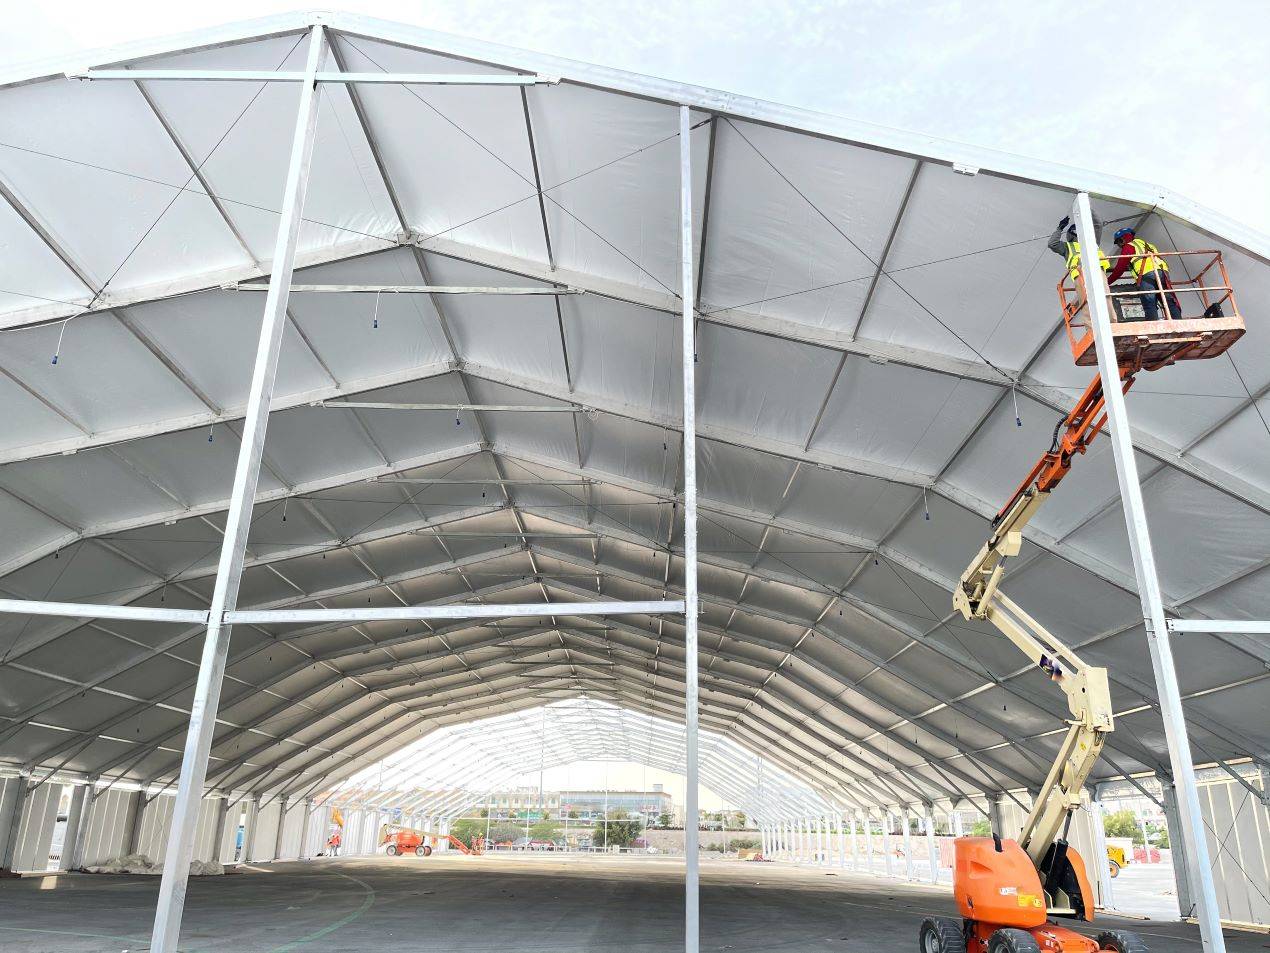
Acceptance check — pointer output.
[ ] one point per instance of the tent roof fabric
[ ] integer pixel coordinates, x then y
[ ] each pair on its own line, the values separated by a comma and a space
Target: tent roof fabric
876, 309
451, 770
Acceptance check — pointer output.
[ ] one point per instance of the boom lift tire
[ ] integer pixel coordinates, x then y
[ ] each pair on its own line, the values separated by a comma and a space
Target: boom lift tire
1114, 868
423, 850
1010, 940
1121, 941
941, 935
392, 850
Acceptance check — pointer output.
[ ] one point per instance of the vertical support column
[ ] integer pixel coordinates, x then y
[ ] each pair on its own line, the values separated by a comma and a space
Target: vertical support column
855, 846
868, 842
91, 793
74, 816
842, 842
15, 794
222, 813
1184, 882
820, 840
932, 848
886, 843
1171, 711
1100, 861
132, 832
305, 822
995, 821
907, 821
250, 817
687, 291
198, 741
282, 823
959, 828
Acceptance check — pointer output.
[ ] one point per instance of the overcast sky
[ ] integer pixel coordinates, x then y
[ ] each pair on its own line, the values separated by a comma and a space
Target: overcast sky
1182, 89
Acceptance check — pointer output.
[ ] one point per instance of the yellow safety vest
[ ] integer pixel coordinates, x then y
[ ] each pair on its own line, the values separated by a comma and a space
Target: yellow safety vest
1144, 258
1073, 260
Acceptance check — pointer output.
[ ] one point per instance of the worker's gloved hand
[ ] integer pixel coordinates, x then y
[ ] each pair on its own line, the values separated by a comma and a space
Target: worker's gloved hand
1065, 222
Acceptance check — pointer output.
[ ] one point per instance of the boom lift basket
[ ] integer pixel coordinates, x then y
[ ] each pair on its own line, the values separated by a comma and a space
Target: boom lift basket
1210, 321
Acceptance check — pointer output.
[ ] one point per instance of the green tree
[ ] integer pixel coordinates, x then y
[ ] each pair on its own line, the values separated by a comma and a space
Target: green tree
1122, 824
665, 820
620, 831
468, 829
981, 828
544, 830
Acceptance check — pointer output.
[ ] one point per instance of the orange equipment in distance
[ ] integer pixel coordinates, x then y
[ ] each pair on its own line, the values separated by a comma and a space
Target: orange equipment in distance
1008, 891
407, 840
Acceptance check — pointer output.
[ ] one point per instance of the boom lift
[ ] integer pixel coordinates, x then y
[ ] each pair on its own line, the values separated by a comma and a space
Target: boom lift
1009, 891
396, 839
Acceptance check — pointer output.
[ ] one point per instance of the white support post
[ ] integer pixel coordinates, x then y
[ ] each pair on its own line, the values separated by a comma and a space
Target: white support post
886, 843
868, 842
820, 840
206, 701
282, 823
855, 845
132, 832
250, 817
304, 829
907, 820
92, 792
74, 819
222, 813
16, 791
995, 820
1102, 863
842, 843
1182, 878
1158, 639
692, 930
932, 848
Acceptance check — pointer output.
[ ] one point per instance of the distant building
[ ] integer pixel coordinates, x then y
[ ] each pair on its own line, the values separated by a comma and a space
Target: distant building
591, 805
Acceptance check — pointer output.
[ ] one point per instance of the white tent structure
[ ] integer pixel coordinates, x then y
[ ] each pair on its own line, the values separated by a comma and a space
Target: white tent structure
454, 769
468, 259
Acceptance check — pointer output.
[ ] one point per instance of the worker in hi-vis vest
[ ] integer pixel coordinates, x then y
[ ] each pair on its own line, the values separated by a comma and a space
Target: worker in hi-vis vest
1063, 242
1150, 272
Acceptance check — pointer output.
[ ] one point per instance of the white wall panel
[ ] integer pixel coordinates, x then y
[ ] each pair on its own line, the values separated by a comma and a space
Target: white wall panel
291, 824
266, 833
1238, 829
35, 832
151, 837
106, 828
205, 847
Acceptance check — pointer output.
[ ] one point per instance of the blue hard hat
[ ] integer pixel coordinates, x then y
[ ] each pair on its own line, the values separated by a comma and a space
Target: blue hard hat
1121, 233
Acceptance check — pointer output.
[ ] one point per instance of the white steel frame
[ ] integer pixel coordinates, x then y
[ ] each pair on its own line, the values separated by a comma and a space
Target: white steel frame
222, 614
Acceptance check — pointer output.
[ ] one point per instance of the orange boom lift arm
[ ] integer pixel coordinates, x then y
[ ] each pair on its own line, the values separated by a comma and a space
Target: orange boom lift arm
1008, 890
